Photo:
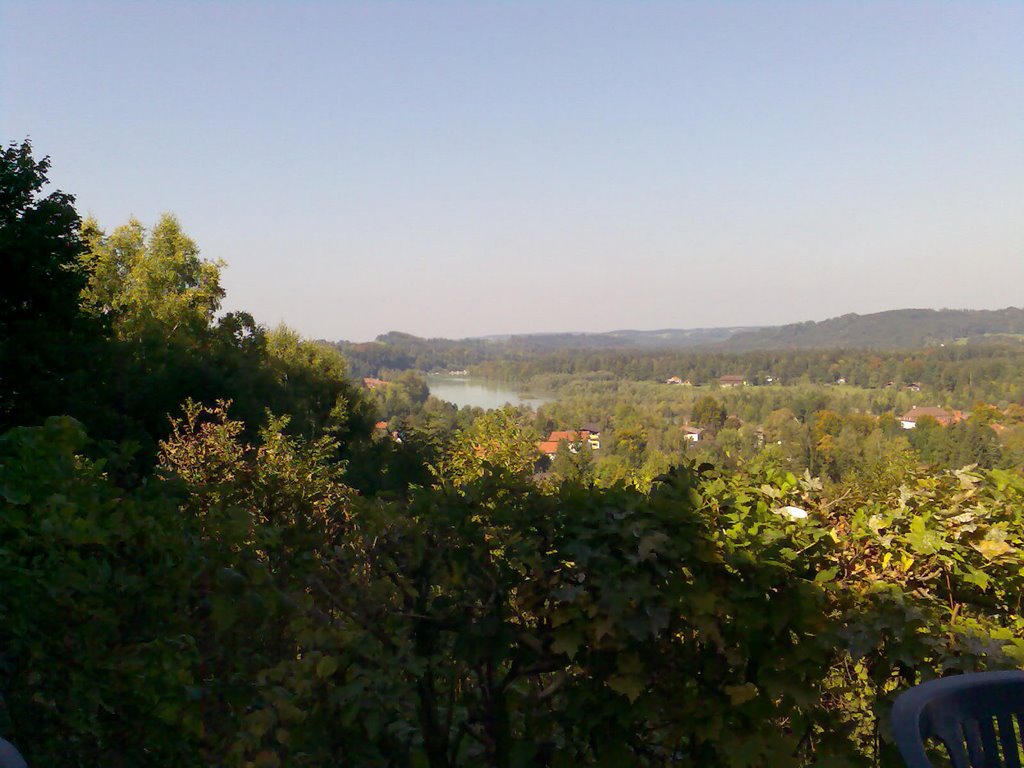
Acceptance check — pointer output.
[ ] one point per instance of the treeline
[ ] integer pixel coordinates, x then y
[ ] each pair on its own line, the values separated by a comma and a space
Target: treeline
993, 373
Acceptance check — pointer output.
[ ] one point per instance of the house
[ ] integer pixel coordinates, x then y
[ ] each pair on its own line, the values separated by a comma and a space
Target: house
575, 439
381, 425
569, 435
909, 419
592, 434
548, 447
674, 380
374, 383
731, 380
692, 433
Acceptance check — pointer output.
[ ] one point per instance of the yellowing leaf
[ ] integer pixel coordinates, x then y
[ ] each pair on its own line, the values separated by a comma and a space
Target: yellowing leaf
993, 549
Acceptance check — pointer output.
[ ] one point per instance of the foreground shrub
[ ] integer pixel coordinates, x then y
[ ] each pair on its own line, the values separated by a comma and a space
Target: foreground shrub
245, 607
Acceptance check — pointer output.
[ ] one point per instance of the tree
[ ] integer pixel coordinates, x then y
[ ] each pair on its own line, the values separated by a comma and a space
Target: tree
500, 440
709, 413
573, 466
984, 414
47, 345
152, 283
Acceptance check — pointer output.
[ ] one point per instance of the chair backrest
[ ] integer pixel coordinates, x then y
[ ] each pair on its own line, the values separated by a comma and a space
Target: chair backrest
979, 718
10, 757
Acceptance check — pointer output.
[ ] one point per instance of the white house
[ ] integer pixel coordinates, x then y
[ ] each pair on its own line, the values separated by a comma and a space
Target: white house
692, 433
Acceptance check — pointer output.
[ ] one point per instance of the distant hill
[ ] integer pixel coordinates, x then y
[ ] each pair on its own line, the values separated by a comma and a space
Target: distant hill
894, 329
666, 338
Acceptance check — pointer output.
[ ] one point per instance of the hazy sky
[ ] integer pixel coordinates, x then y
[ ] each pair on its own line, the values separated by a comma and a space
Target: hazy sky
470, 168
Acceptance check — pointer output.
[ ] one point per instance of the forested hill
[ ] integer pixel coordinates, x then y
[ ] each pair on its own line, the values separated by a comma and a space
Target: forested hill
894, 329
666, 338
402, 351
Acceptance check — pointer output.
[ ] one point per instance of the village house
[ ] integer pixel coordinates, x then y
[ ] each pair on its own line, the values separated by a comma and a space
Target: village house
692, 433
575, 439
592, 434
374, 383
679, 382
944, 417
731, 380
548, 447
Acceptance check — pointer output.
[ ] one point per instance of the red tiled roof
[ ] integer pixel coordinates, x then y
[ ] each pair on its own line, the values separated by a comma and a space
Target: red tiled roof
548, 446
570, 435
941, 415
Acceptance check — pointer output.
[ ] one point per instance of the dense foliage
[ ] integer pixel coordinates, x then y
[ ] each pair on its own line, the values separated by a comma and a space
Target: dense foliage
250, 609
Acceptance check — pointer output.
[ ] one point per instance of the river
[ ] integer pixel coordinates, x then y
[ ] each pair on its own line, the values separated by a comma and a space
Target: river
463, 390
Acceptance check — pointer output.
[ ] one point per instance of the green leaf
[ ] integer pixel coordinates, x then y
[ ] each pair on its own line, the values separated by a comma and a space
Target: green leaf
921, 540
741, 694
651, 543
978, 578
630, 686
14, 496
567, 641
326, 667
826, 575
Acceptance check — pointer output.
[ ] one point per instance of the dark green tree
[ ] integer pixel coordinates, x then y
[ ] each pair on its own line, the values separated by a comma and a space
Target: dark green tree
48, 346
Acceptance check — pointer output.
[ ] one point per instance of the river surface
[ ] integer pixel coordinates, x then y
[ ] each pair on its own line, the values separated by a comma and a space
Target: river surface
463, 390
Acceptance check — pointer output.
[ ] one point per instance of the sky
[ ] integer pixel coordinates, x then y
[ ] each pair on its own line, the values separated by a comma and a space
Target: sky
469, 168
